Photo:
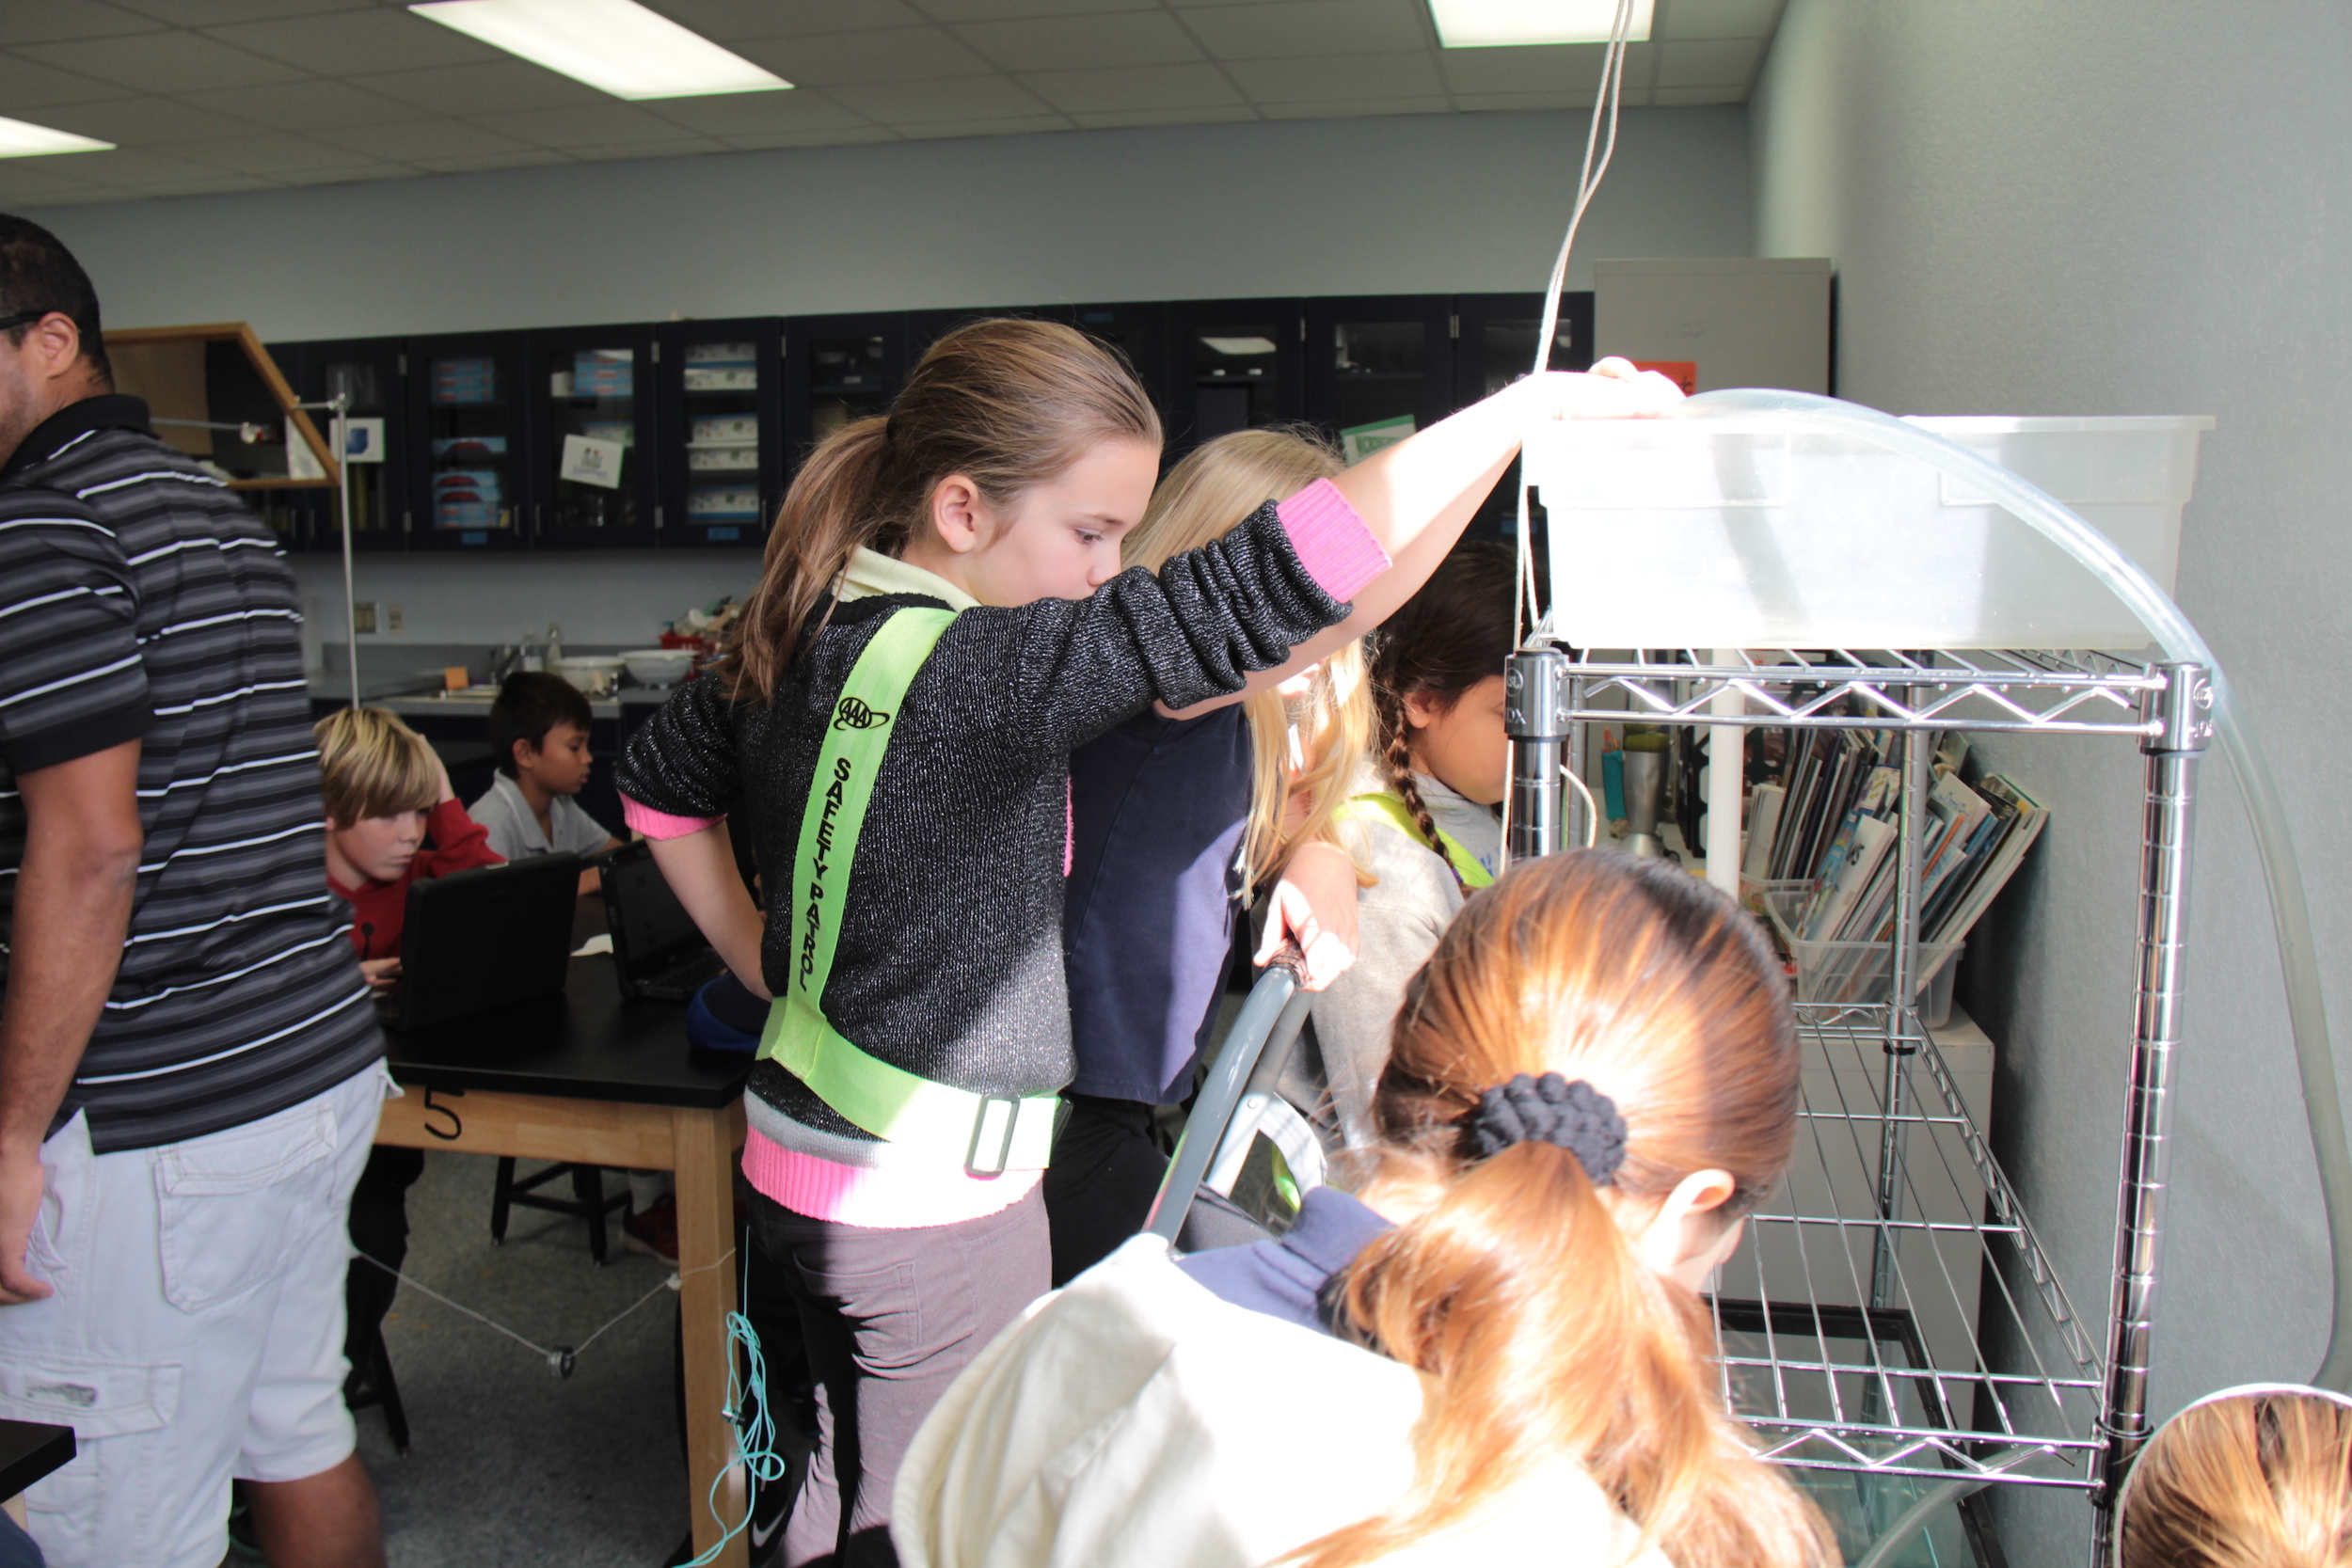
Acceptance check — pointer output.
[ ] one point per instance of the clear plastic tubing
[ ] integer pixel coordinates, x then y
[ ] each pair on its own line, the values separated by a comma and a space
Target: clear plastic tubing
2289, 913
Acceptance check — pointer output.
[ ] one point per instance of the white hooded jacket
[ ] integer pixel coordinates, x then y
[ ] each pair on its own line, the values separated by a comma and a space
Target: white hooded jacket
1136, 1417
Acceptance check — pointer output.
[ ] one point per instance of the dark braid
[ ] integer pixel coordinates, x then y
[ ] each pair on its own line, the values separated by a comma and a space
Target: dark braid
1452, 634
1397, 760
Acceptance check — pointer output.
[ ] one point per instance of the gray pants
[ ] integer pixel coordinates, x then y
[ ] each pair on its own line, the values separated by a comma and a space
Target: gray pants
890, 1318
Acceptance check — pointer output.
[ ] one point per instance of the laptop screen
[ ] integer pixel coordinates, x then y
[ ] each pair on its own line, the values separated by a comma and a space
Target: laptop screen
650, 926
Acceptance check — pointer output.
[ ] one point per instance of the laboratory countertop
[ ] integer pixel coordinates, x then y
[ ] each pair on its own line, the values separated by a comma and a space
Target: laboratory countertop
413, 704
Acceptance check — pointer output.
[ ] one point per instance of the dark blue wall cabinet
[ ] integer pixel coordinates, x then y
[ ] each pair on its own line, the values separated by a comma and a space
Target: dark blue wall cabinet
469, 434
591, 479
720, 427
1233, 364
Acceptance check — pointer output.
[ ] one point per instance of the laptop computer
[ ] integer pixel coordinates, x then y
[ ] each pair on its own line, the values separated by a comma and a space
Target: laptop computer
476, 940
658, 951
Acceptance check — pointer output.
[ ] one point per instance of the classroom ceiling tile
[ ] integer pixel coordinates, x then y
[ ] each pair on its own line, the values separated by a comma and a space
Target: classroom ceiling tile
523, 157
1151, 87
1290, 28
345, 44
37, 180
139, 170
1115, 120
1574, 97
1684, 97
1717, 19
273, 156
222, 13
56, 21
144, 121
211, 185
1546, 67
480, 89
1355, 109
314, 104
29, 85
677, 146
992, 10
606, 124
847, 136
725, 20
1021, 125
954, 97
755, 114
162, 62
1081, 43
1338, 76
415, 140
1729, 62
841, 59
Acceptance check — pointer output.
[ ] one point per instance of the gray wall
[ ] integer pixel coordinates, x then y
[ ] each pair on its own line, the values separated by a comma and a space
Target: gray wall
2108, 207
1406, 204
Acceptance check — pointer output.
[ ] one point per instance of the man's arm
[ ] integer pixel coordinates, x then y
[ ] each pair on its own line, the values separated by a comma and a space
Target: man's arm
72, 908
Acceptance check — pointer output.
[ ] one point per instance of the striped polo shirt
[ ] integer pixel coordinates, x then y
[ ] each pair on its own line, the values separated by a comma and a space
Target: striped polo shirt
138, 598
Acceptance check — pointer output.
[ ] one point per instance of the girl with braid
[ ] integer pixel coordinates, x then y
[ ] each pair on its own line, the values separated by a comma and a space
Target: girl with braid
1495, 1350
1420, 822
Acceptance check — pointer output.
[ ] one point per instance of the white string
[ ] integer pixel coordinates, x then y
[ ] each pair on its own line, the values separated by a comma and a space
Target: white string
554, 1358
1592, 807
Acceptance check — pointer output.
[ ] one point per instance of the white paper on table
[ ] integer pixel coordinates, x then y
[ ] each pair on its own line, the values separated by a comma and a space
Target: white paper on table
589, 461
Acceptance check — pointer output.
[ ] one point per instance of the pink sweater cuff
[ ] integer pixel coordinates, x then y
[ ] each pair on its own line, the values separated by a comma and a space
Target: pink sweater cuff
660, 824
1338, 551
877, 1199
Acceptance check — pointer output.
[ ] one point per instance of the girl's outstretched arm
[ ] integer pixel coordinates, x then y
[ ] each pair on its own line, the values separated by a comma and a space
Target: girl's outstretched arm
1416, 497
700, 868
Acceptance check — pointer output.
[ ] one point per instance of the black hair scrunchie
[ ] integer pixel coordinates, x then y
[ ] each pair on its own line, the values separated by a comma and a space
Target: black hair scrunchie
1572, 1116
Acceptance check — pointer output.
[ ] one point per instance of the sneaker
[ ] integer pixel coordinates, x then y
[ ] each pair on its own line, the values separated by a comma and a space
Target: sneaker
771, 1505
655, 1231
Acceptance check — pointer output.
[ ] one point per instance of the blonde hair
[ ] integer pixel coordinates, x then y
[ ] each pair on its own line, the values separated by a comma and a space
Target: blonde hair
1009, 404
373, 765
1541, 1334
2249, 1479
1295, 790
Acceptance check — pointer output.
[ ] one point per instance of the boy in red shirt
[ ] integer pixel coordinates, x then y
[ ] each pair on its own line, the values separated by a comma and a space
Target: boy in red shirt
386, 794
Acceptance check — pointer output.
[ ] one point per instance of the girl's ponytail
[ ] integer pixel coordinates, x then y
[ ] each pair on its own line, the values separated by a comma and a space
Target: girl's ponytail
1543, 1335
827, 516
1009, 404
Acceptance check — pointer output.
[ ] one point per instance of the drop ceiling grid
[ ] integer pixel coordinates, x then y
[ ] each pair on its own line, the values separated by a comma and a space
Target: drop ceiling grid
204, 96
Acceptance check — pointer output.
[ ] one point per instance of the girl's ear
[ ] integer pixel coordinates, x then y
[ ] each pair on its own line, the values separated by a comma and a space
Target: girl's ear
956, 514
1424, 708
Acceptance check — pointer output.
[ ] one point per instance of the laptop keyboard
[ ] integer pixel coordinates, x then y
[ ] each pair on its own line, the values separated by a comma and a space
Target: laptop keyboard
682, 979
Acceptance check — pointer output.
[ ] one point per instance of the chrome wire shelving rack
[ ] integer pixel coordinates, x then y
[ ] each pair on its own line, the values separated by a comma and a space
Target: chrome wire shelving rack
1918, 1335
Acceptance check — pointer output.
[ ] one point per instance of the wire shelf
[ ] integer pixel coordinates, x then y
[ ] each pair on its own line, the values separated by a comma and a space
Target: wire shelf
2035, 693
1929, 1340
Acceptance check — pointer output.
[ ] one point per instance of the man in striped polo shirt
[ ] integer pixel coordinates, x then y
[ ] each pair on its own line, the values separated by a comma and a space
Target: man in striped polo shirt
189, 1066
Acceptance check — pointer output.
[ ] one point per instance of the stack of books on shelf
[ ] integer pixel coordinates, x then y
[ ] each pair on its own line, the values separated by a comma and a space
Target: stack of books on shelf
1822, 846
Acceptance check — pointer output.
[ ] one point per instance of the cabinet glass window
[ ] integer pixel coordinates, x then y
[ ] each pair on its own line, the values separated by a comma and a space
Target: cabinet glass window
591, 399
1235, 378
1509, 350
849, 379
469, 439
722, 382
1380, 370
363, 382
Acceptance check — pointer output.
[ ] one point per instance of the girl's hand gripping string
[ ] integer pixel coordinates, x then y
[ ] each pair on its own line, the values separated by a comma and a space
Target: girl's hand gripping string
1315, 905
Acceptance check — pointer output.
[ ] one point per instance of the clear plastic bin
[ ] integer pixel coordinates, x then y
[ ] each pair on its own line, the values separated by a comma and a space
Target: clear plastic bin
1857, 970
1719, 530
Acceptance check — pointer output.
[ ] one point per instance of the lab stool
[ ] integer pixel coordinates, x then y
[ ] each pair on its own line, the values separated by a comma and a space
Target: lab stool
371, 1383
587, 1201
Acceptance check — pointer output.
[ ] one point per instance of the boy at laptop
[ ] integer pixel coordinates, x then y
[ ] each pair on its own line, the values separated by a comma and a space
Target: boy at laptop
539, 730
386, 794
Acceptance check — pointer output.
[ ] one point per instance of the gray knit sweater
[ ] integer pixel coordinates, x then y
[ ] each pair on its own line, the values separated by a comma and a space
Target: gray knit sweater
949, 959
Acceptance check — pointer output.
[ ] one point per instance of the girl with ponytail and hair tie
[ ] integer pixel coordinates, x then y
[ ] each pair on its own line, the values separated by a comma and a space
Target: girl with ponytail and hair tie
1419, 817
1495, 1351
941, 620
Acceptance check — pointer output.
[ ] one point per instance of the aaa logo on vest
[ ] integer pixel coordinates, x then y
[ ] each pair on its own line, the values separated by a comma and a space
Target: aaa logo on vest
855, 715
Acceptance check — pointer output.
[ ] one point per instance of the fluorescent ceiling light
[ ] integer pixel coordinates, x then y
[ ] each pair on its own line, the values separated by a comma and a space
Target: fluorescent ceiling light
1240, 347
1491, 24
21, 139
616, 46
